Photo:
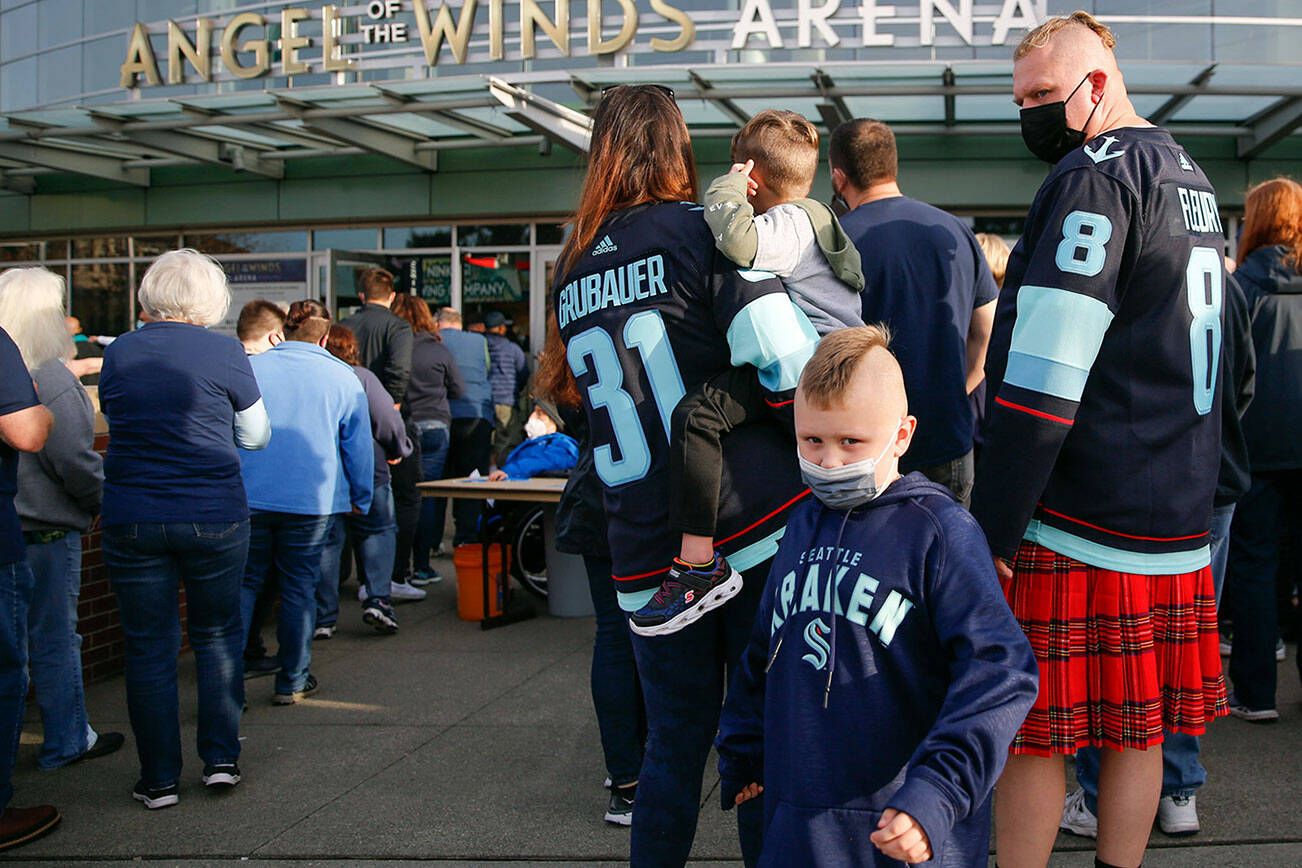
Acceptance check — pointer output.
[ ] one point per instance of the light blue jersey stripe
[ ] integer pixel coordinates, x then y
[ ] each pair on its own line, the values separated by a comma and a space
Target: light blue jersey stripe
1055, 341
1099, 555
743, 559
776, 337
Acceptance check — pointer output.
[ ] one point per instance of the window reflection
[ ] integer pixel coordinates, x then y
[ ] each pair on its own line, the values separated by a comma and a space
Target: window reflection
410, 237
249, 242
485, 236
100, 297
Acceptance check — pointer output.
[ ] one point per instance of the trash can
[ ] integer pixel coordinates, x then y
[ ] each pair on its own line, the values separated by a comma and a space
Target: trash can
567, 579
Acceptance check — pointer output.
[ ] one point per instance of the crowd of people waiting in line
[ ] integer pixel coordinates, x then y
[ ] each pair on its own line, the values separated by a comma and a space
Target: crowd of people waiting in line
1119, 501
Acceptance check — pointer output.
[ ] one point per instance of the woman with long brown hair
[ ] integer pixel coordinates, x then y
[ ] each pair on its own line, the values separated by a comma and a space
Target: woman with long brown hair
647, 311
1270, 273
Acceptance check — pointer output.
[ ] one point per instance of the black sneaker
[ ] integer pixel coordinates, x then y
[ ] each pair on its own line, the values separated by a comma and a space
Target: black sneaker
686, 595
261, 666
620, 812
163, 797
379, 614
105, 744
224, 776
309, 687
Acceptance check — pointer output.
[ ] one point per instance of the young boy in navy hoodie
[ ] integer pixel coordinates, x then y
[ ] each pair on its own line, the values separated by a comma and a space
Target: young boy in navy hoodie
886, 676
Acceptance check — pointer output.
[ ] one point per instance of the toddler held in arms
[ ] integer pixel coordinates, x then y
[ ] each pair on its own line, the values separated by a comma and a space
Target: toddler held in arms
761, 218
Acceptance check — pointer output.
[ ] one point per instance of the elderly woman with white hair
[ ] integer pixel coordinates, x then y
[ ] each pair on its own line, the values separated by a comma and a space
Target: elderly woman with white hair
179, 398
58, 498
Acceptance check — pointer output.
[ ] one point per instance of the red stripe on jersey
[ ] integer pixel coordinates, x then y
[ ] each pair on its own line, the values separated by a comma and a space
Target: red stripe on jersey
784, 506
1126, 535
1042, 415
640, 576
780, 403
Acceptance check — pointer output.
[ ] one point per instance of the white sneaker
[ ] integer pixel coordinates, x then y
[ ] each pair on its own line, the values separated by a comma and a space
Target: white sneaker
1178, 815
1076, 817
1280, 651
403, 592
324, 632
361, 593
1253, 715
1226, 646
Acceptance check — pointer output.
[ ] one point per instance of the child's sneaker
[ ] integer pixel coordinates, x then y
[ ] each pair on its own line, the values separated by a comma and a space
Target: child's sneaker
686, 595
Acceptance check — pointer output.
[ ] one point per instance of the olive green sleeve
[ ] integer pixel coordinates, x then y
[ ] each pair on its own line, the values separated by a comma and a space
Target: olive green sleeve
731, 218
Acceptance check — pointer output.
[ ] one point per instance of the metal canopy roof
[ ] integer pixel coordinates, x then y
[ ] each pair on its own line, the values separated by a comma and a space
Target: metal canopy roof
255, 132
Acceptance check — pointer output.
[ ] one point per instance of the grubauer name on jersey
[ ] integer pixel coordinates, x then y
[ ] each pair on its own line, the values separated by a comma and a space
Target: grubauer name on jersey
649, 313
1104, 432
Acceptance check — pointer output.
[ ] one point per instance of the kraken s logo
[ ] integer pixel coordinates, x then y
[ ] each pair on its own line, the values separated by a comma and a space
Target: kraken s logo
816, 637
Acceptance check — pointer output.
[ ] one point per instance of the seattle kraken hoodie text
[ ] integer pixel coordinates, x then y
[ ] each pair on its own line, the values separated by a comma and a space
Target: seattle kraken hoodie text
885, 671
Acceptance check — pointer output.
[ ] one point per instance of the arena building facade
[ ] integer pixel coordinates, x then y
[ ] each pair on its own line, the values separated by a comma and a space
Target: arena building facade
300, 142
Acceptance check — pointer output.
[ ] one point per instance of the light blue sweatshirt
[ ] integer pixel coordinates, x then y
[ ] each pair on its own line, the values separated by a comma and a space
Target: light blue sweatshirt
320, 459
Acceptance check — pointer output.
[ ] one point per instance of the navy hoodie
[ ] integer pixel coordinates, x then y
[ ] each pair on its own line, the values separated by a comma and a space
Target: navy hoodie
907, 698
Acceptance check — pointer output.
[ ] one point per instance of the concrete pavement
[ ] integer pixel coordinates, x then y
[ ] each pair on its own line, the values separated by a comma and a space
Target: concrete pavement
448, 744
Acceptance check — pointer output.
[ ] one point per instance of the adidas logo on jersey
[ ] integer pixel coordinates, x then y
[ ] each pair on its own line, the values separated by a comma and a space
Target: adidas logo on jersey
1184, 163
605, 245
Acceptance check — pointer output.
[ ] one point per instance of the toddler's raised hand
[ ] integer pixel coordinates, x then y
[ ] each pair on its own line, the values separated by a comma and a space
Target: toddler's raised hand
745, 169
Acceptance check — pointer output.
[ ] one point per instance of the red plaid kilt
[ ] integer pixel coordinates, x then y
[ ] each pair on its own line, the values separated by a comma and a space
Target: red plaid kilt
1121, 655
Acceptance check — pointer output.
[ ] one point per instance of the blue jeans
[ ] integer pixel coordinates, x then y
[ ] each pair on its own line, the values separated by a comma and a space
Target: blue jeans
16, 593
55, 649
291, 545
616, 691
327, 590
1182, 772
146, 564
434, 440
1222, 519
375, 537
683, 682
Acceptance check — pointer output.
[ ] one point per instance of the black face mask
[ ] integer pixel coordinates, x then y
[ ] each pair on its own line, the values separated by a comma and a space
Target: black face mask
1045, 130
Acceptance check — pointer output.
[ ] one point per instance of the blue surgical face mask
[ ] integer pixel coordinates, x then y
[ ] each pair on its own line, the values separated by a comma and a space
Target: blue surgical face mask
847, 486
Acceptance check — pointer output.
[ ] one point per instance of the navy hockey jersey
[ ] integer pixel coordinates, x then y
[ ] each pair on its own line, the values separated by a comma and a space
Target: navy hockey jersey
647, 315
1104, 436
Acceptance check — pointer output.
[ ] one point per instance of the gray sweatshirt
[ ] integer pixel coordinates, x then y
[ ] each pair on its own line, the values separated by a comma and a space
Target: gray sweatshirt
59, 488
801, 242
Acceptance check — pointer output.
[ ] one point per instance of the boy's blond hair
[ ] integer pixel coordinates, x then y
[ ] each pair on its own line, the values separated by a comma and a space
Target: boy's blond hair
828, 373
996, 252
784, 146
1040, 36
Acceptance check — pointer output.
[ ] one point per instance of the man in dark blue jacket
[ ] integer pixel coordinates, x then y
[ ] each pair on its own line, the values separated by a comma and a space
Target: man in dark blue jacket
877, 733
925, 278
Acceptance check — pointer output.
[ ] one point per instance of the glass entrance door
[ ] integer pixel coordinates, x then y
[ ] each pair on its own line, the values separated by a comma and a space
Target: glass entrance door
544, 274
498, 282
343, 274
